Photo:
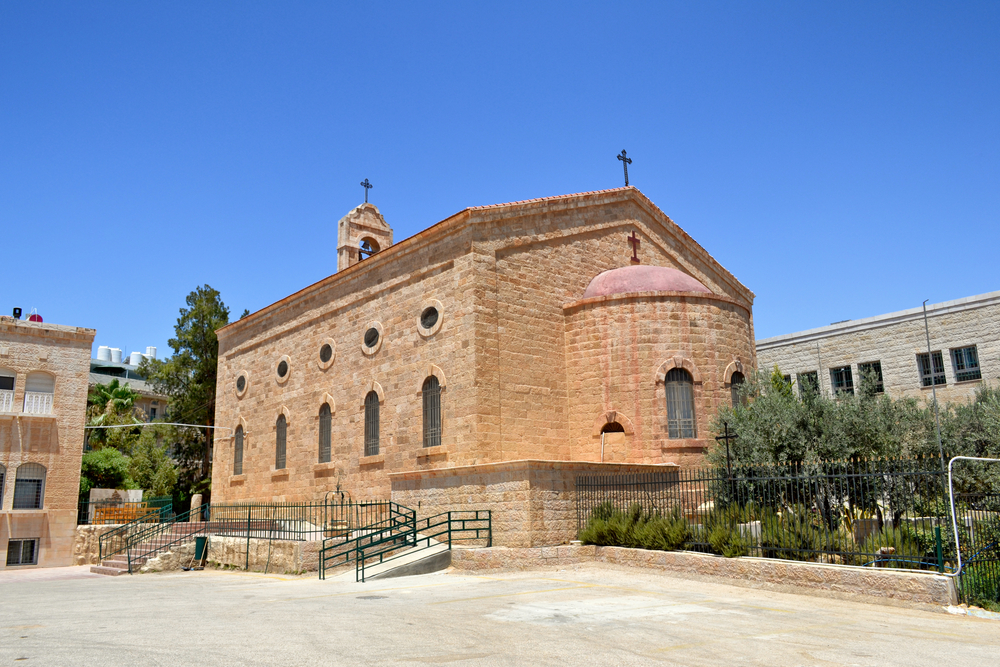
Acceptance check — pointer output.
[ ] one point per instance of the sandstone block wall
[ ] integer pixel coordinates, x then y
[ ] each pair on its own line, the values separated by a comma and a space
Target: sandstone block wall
511, 359
895, 339
533, 503
54, 440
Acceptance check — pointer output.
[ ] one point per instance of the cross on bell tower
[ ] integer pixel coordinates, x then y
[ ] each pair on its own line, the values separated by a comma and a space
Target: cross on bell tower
368, 186
626, 161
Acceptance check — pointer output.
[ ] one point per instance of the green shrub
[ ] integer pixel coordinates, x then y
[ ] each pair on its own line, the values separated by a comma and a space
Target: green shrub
635, 529
721, 530
797, 534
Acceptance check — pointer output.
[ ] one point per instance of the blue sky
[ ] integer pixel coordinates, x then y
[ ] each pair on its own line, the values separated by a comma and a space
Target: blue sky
841, 159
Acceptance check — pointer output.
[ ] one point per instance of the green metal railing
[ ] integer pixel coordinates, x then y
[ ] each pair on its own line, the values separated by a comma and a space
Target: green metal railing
299, 521
108, 512
155, 538
390, 523
117, 540
404, 535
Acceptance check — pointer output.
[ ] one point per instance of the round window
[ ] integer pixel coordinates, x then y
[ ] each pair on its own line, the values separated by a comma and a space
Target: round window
282, 368
241, 383
371, 337
429, 317
325, 353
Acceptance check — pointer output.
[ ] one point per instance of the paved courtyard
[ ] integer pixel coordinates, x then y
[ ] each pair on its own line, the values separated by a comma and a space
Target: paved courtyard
590, 615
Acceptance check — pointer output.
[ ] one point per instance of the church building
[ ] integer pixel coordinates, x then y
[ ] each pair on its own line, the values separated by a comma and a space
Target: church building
485, 363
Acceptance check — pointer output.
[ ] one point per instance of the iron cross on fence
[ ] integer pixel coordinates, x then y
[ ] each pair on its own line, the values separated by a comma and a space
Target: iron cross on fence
367, 186
626, 161
727, 437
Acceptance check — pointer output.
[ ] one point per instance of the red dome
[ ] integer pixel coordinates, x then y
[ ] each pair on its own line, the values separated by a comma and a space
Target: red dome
642, 278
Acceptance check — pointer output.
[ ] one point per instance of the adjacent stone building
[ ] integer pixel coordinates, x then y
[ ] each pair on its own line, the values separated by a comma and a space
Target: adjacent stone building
485, 362
965, 351
43, 402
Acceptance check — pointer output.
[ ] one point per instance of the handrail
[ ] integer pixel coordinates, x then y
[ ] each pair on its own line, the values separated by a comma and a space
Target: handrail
159, 529
398, 515
122, 533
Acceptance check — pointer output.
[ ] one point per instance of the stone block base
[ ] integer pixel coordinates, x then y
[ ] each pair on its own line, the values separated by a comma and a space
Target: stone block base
279, 556
920, 589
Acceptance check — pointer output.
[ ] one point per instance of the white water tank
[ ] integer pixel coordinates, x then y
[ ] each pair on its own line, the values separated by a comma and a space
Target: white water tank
116, 355
151, 352
135, 358
104, 353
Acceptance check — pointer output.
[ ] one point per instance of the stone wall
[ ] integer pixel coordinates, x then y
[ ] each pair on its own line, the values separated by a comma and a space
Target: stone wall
840, 581
87, 544
533, 503
280, 556
895, 340
53, 440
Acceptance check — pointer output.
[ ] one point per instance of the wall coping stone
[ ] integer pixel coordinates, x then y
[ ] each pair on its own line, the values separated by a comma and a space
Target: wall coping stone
614, 299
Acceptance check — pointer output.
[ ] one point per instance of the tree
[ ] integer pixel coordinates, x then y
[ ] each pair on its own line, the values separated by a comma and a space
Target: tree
775, 426
112, 404
189, 378
150, 467
104, 469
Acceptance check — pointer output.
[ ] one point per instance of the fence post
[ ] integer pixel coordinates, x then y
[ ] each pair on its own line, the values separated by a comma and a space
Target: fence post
247, 566
938, 549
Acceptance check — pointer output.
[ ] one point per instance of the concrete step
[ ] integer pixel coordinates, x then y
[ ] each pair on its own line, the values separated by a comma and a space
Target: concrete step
109, 571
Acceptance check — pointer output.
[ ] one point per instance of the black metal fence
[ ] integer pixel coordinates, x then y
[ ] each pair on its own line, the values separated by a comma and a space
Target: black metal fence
883, 513
296, 521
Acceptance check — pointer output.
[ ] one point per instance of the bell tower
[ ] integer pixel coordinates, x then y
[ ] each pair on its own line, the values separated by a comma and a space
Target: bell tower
360, 234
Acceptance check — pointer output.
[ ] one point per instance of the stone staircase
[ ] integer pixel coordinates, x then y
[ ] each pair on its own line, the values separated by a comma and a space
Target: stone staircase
176, 535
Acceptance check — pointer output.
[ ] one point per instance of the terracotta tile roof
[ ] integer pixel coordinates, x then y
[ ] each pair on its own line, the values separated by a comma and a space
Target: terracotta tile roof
554, 198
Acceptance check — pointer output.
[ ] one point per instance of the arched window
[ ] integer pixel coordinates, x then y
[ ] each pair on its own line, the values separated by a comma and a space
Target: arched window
734, 388
7, 380
612, 427
680, 404
29, 487
432, 412
280, 435
325, 426
38, 390
238, 451
371, 424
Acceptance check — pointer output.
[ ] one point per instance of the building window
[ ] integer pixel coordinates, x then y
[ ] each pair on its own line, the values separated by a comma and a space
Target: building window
612, 427
966, 363
38, 390
281, 434
152, 414
735, 382
842, 380
432, 412
238, 451
325, 435
680, 404
325, 352
3, 476
874, 369
29, 487
241, 384
22, 552
429, 317
926, 378
808, 383
371, 424
7, 379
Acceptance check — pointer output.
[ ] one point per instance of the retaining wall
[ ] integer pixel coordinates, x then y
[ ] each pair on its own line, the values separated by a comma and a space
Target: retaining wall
880, 586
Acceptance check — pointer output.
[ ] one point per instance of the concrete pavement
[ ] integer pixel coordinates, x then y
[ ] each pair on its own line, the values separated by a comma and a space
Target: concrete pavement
587, 615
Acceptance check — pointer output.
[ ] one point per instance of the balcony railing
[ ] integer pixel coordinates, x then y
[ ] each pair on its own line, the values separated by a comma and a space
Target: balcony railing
6, 400
37, 403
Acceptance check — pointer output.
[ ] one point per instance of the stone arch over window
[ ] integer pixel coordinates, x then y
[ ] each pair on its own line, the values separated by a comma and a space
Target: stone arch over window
604, 421
238, 450
677, 361
681, 418
325, 432
437, 373
377, 388
29, 487
431, 394
280, 441
372, 401
735, 366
